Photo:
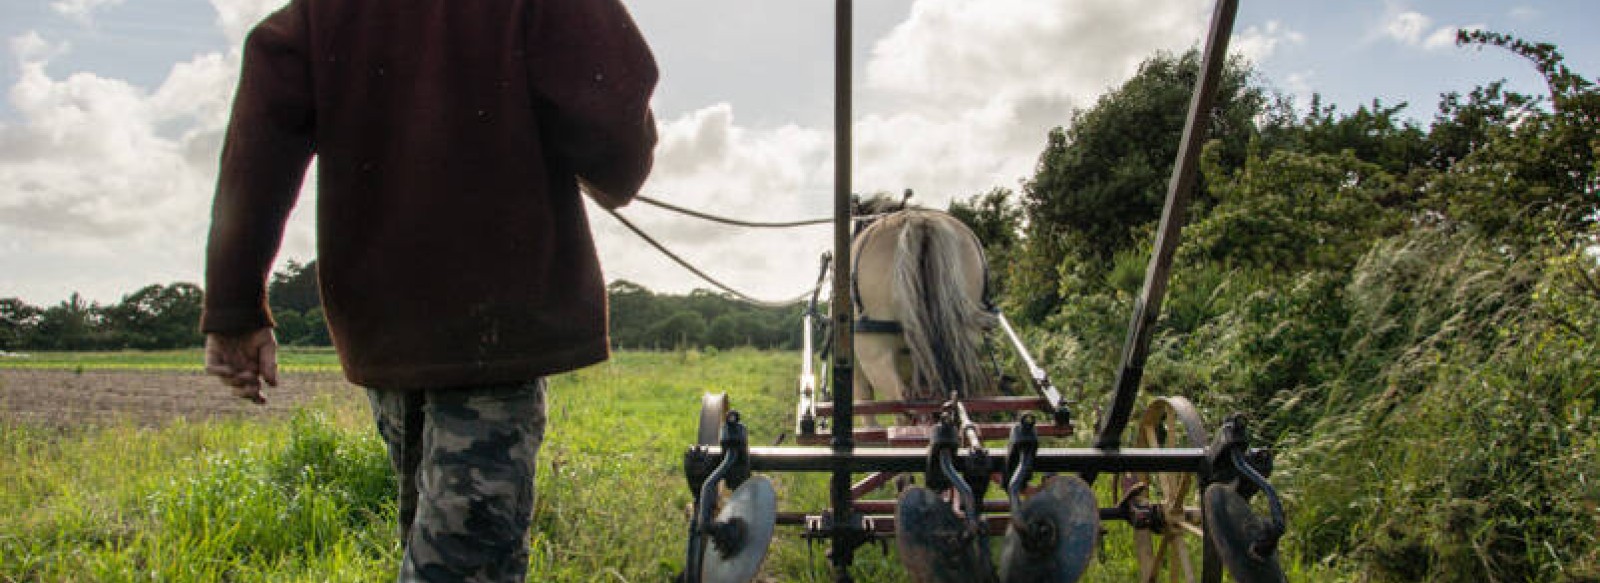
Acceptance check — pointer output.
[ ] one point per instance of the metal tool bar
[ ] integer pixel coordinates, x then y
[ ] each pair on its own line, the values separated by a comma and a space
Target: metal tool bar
1184, 176
887, 459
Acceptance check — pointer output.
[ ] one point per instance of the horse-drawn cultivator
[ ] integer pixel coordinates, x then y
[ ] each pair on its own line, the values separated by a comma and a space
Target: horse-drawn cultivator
1177, 485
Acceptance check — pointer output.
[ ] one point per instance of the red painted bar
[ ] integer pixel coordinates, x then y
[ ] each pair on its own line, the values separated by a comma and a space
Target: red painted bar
976, 405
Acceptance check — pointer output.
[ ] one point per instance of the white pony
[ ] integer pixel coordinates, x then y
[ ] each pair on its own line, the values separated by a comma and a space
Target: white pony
923, 270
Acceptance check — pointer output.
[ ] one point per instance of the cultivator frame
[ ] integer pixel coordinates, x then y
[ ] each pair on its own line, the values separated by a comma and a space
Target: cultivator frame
1173, 454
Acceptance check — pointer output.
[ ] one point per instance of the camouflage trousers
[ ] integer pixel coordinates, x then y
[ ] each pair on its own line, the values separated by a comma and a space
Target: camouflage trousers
465, 462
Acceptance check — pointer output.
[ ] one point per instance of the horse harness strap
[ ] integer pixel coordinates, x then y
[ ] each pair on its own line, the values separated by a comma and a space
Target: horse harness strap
865, 325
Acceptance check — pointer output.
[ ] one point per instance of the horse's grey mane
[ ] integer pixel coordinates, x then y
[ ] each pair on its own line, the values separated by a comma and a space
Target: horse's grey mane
882, 203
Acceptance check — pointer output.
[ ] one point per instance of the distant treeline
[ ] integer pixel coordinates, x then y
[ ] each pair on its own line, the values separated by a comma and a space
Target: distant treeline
155, 317
166, 316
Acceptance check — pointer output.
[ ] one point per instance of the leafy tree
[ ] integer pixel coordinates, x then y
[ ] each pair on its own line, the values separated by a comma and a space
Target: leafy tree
72, 325
294, 296
640, 319
1294, 211
291, 326
294, 288
730, 330
633, 309
157, 317
1533, 178
1375, 134
1101, 180
18, 320
1465, 125
997, 221
680, 330
709, 304
316, 329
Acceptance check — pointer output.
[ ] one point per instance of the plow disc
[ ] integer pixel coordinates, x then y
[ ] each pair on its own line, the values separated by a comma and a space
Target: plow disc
1052, 536
741, 534
935, 544
1239, 536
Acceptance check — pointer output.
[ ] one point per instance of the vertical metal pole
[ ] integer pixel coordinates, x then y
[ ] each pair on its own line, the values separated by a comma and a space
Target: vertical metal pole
1184, 177
844, 538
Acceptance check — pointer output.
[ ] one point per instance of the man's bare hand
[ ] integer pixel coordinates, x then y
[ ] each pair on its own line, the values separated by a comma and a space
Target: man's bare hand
243, 361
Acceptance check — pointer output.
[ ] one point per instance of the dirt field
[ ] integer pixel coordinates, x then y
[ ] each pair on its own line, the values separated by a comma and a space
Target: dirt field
65, 398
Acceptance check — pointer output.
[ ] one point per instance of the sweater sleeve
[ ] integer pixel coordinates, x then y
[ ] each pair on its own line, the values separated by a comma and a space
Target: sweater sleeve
593, 74
265, 152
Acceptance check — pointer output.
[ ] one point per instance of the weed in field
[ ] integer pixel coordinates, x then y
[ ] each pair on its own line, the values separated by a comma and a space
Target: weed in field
212, 502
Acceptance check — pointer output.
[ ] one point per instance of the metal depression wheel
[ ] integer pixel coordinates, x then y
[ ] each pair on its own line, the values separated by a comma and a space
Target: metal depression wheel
713, 410
1168, 503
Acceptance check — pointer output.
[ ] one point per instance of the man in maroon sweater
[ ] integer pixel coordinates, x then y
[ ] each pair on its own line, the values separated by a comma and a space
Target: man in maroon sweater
455, 262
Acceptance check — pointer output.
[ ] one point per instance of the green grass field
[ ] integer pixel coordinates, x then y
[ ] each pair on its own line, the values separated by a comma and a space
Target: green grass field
308, 498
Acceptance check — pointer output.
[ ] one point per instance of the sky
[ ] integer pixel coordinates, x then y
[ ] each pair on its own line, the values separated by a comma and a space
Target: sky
112, 113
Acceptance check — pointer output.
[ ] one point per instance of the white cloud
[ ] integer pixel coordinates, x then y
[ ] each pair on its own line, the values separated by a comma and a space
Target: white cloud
1526, 12
81, 11
1444, 37
236, 17
961, 94
1407, 27
89, 179
706, 161
1258, 43
1414, 29
962, 54
1298, 84
956, 100
30, 46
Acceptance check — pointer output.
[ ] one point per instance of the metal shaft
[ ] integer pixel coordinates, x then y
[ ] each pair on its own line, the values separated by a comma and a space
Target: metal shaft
843, 379
1186, 460
1184, 176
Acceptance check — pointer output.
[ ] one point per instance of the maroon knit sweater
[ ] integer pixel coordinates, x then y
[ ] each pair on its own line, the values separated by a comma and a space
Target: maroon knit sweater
450, 138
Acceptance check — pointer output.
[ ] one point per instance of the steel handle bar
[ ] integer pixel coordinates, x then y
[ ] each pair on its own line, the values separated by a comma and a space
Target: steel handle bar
889, 459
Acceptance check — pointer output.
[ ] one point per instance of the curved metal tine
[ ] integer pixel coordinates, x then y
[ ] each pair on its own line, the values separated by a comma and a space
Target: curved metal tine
970, 508
1023, 446
1019, 481
704, 515
1279, 524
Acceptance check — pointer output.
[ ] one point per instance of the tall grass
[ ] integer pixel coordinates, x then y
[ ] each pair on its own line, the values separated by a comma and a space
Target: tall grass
1434, 407
309, 499
225, 500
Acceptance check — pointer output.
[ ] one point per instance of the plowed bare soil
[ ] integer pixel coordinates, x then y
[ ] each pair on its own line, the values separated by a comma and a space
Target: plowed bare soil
68, 399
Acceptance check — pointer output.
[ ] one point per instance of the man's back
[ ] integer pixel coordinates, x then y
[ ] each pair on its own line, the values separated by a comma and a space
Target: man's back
453, 247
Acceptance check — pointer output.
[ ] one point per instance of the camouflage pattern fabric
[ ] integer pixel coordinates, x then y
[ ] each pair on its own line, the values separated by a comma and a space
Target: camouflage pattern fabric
465, 462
